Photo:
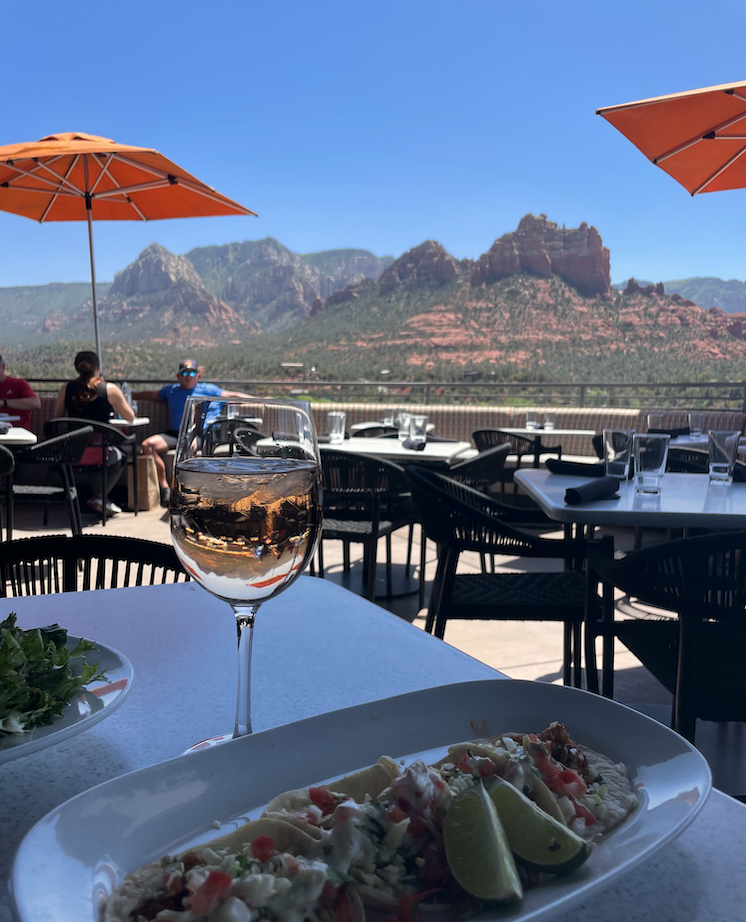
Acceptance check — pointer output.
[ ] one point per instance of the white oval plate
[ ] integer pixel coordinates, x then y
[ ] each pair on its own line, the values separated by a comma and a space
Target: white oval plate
90, 705
69, 862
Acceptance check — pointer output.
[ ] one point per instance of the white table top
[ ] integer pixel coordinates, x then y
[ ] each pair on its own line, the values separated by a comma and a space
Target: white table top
686, 500
16, 435
524, 430
181, 643
392, 450
135, 424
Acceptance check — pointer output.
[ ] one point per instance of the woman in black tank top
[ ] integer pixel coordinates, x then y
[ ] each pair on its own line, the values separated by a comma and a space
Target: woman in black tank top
90, 397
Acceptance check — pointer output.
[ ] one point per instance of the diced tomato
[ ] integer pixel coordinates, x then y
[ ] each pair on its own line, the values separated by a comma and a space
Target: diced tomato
476, 765
417, 827
343, 911
263, 848
206, 897
584, 812
434, 872
395, 814
323, 798
292, 865
328, 896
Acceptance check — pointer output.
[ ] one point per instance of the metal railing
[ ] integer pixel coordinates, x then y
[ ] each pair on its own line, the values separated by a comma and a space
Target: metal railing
707, 395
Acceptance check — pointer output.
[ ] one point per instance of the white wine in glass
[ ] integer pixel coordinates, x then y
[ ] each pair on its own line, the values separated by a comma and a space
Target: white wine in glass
245, 509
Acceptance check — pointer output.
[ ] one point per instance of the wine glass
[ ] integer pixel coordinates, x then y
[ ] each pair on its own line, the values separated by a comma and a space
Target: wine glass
245, 509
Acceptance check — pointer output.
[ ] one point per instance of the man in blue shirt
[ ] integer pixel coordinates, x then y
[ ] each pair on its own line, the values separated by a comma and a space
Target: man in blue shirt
175, 396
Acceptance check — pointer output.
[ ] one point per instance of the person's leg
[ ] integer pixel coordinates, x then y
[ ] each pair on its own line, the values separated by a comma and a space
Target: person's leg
157, 446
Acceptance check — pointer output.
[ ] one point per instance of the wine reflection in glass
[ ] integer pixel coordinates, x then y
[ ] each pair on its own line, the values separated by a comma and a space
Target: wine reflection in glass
245, 509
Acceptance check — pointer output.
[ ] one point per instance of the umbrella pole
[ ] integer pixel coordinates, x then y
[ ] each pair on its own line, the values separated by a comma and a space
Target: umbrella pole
93, 283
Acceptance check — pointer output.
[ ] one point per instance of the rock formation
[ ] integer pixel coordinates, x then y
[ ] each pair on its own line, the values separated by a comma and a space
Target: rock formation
542, 248
425, 264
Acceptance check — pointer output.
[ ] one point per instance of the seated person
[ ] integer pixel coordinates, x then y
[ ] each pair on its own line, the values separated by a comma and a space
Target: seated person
175, 396
17, 397
90, 397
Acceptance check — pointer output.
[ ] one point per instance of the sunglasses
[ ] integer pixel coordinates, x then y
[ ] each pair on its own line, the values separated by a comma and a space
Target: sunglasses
187, 374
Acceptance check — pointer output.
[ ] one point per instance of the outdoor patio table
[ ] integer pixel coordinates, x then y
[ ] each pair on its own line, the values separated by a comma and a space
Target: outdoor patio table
17, 437
443, 453
685, 501
181, 642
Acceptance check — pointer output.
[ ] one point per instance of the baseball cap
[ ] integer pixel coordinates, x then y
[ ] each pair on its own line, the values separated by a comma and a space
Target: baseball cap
188, 365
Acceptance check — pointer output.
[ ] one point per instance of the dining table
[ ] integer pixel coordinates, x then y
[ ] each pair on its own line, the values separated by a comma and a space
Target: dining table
17, 437
318, 648
391, 449
535, 433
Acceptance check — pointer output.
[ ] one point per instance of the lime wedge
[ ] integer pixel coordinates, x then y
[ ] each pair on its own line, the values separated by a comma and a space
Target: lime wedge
477, 849
534, 836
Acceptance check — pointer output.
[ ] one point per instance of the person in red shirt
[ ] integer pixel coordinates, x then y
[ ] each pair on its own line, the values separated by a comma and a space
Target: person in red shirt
17, 397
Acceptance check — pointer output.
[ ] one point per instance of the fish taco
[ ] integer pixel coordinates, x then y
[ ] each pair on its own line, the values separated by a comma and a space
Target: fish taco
374, 840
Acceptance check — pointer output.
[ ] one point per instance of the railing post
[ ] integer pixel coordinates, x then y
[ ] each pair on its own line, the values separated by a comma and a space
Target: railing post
581, 395
743, 407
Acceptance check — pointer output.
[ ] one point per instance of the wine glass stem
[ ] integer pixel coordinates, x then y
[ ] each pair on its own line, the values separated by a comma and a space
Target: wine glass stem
245, 616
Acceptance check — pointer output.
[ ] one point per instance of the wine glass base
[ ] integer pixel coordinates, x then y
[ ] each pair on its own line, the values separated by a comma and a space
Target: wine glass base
210, 743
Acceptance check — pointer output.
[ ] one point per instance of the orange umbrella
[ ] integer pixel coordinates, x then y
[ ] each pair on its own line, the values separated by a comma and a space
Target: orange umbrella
697, 137
81, 177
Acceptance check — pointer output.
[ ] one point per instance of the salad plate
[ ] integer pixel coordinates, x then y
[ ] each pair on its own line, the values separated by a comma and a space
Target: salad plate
70, 861
89, 705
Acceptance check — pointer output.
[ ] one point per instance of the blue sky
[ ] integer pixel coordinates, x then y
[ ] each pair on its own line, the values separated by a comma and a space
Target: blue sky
376, 124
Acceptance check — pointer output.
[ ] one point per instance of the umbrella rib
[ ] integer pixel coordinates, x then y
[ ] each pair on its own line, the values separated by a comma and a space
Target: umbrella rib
700, 137
154, 171
32, 174
717, 173
51, 202
213, 195
126, 190
104, 172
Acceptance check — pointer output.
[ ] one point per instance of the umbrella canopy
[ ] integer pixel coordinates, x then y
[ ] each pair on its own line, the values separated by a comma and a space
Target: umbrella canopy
81, 177
697, 137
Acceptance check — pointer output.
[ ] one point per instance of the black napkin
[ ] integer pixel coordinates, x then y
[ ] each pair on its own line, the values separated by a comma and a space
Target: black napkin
684, 430
574, 468
600, 488
439, 438
412, 445
325, 439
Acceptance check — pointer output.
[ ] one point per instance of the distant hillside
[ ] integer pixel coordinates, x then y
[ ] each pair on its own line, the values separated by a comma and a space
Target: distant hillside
29, 314
707, 292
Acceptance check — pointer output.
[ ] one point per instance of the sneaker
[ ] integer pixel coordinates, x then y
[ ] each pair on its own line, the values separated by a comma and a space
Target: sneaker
95, 504
112, 508
165, 495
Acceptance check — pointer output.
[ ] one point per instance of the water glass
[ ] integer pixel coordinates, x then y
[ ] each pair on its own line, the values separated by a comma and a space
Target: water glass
532, 419
655, 421
723, 451
418, 429
336, 422
651, 454
696, 422
403, 422
549, 419
618, 452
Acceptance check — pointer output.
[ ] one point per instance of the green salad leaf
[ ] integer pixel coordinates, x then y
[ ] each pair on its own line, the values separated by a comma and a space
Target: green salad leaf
39, 675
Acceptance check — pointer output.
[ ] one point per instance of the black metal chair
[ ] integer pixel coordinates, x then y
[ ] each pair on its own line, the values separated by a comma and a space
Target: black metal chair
699, 656
364, 500
56, 563
7, 466
44, 474
482, 471
520, 447
104, 436
376, 432
460, 519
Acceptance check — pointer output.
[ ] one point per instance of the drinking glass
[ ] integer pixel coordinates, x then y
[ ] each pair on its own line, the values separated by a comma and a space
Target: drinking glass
696, 422
651, 454
618, 451
655, 421
418, 429
403, 422
336, 421
246, 520
532, 419
549, 419
723, 448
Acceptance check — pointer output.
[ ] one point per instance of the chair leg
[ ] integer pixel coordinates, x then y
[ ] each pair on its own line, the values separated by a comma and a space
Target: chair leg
567, 654
370, 570
389, 575
410, 540
104, 484
423, 562
320, 556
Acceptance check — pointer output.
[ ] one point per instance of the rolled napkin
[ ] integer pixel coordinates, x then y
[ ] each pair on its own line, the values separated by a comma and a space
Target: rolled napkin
574, 468
674, 433
412, 445
600, 488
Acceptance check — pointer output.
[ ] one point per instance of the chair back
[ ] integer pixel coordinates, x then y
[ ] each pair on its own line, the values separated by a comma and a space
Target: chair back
7, 461
458, 517
351, 475
687, 461
61, 449
482, 471
56, 563
376, 432
103, 434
